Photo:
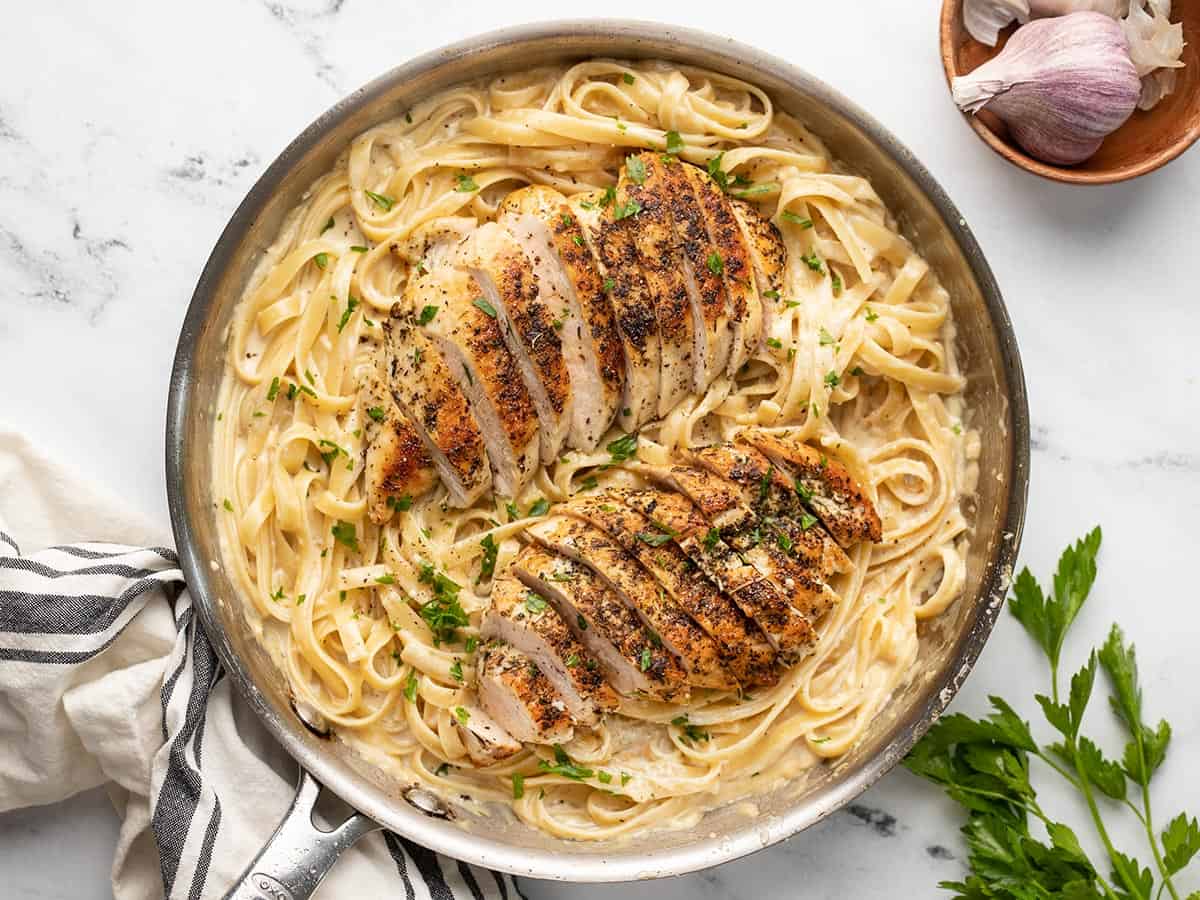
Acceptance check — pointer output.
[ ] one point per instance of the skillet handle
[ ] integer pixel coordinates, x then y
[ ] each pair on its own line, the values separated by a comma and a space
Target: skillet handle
299, 854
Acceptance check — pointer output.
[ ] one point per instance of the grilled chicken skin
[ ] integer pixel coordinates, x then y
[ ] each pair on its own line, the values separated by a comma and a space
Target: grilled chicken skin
486, 370
768, 254
526, 621
696, 651
486, 741
631, 659
397, 464
612, 242
757, 596
829, 490
745, 653
515, 692
511, 291
426, 390
643, 186
553, 239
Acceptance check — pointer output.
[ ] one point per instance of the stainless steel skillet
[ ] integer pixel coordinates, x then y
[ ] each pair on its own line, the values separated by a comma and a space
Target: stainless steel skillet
299, 855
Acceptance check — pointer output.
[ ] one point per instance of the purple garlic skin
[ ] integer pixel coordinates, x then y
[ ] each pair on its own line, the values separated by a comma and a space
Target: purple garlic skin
1061, 85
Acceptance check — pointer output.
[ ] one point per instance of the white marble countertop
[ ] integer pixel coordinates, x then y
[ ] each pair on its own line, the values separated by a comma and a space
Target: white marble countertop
128, 134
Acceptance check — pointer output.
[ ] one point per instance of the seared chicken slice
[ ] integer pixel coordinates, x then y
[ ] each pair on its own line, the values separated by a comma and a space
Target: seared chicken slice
486, 370
747, 656
698, 653
539, 632
768, 254
704, 272
795, 559
517, 694
425, 388
431, 245
777, 502
487, 743
553, 240
787, 630
643, 193
398, 467
613, 244
745, 307
827, 486
511, 292
628, 654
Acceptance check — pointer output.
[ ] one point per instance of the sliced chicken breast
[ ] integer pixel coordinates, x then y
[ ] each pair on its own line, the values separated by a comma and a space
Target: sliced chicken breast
426, 390
768, 254
429, 246
697, 652
553, 240
825, 485
787, 630
515, 692
745, 310
704, 272
643, 191
398, 467
612, 242
745, 653
629, 657
487, 743
487, 372
542, 635
526, 313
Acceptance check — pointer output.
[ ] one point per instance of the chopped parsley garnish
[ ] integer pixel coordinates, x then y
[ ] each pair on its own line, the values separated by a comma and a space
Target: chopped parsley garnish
756, 190
300, 600
540, 507
228, 505
329, 451
764, 485
825, 338
358, 248
837, 282
427, 314
674, 142
791, 304
561, 576
485, 306
627, 78
635, 169
609, 198
625, 778
654, 540
376, 413
604, 777
444, 767
625, 210
535, 603
471, 644
572, 660
487, 565
410, 688
803, 492
273, 391
578, 240
711, 539
645, 659
567, 220
623, 448
344, 533
716, 265
784, 542
381, 200
513, 512
857, 371
807, 521
620, 125
581, 622
691, 734
775, 342
403, 503
518, 785
322, 260
292, 391
563, 766
771, 294
461, 714
386, 579
589, 483
443, 613
832, 379
716, 172
814, 262
788, 216
609, 284
871, 315
464, 183
351, 306
456, 670
957, 429
328, 225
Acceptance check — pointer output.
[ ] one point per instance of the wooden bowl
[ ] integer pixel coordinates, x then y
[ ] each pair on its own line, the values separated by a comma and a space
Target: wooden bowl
1144, 143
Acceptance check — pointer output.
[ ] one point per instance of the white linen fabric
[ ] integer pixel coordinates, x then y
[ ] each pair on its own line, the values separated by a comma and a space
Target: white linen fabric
107, 678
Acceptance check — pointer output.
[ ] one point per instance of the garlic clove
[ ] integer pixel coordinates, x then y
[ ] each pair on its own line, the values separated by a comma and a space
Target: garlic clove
984, 19
1046, 9
1061, 85
1154, 43
1155, 86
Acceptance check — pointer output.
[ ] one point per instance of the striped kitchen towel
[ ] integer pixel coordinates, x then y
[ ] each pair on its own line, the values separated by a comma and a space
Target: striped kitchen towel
107, 678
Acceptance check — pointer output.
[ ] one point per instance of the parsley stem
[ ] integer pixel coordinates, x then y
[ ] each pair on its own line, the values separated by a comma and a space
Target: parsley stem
1148, 822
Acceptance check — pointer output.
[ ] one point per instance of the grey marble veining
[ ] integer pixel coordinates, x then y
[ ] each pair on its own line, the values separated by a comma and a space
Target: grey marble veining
127, 139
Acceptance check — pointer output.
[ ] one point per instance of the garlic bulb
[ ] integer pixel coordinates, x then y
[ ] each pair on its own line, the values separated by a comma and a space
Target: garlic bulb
1155, 86
984, 19
1061, 85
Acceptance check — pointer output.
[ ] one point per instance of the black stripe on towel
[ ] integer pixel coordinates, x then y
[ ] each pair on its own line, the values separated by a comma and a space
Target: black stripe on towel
393, 845
36, 568
468, 878
25, 613
4, 537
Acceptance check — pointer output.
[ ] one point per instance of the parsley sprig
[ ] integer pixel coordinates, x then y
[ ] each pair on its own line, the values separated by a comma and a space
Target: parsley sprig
984, 765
